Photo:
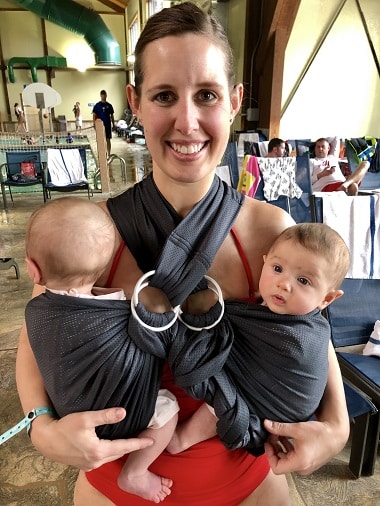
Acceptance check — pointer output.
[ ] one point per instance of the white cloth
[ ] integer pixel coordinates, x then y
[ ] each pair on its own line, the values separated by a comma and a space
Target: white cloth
96, 293
317, 165
65, 166
373, 345
279, 177
357, 220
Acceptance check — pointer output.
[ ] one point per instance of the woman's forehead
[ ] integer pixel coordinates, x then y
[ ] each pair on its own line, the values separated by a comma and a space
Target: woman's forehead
183, 56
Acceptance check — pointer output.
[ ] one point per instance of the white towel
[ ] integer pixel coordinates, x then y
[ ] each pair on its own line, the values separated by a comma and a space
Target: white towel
65, 166
373, 345
357, 220
279, 177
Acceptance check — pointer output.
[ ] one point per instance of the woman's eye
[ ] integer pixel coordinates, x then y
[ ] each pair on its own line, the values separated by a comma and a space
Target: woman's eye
303, 281
207, 96
164, 97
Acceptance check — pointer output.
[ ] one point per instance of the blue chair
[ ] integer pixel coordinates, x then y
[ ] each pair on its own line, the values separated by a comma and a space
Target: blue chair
22, 169
72, 185
352, 318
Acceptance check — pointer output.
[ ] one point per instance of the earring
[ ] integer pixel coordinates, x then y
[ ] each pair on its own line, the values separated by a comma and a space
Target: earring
231, 120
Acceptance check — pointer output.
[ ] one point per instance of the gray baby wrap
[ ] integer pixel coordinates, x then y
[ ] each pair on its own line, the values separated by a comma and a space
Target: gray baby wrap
253, 364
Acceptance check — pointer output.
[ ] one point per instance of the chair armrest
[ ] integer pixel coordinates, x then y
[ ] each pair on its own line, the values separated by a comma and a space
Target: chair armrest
3, 172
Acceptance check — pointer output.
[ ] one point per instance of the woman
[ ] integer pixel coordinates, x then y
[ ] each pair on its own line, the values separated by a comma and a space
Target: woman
21, 123
186, 98
78, 117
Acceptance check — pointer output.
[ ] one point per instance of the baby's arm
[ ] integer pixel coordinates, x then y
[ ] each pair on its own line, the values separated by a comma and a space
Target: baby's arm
199, 427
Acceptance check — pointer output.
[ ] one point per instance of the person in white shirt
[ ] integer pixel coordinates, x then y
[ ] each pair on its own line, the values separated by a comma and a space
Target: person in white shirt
326, 175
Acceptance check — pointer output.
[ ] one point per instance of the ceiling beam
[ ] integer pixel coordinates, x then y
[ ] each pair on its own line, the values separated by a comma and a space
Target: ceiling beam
117, 5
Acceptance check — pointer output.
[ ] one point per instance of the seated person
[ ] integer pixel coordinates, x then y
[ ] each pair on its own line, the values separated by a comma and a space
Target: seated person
276, 148
326, 175
73, 320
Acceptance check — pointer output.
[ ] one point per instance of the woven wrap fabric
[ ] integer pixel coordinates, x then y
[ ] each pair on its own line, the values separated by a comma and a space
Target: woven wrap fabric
88, 361
83, 346
253, 365
181, 251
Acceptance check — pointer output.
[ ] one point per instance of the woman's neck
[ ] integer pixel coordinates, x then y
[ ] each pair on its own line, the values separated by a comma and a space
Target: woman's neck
182, 195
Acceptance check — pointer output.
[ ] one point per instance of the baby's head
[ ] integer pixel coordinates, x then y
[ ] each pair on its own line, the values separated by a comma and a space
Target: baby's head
70, 241
323, 241
304, 269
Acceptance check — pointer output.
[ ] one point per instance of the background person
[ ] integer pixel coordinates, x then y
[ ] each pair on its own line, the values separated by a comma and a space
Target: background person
103, 110
276, 148
187, 128
78, 117
20, 116
326, 175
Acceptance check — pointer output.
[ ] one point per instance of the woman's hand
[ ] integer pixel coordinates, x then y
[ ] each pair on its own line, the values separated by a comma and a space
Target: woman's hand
72, 439
302, 447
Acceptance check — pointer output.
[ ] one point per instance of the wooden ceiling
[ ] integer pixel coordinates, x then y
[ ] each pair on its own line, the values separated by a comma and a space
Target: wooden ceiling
116, 5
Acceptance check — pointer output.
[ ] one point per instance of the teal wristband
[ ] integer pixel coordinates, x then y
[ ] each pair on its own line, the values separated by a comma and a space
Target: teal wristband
25, 423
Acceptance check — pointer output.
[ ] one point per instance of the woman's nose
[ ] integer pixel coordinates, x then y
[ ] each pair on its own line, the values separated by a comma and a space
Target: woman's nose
187, 117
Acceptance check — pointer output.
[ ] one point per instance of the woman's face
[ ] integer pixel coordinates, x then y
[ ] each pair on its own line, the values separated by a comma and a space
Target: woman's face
185, 106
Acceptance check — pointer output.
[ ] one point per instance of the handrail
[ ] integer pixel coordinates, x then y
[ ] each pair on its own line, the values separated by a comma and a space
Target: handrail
123, 166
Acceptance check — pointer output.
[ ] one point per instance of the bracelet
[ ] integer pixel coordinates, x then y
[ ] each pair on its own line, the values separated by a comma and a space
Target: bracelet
25, 422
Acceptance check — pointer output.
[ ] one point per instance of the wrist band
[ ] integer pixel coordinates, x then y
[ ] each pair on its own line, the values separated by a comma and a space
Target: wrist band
25, 423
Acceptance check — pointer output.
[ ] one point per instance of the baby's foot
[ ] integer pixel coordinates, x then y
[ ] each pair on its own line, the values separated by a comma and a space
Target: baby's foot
149, 486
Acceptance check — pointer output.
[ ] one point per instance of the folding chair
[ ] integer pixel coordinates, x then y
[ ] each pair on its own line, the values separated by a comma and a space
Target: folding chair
66, 171
22, 169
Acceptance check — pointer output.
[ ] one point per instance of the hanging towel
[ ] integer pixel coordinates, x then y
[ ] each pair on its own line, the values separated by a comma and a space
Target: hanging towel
279, 177
65, 166
249, 176
357, 220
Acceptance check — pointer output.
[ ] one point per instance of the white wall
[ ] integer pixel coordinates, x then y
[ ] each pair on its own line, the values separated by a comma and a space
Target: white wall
340, 93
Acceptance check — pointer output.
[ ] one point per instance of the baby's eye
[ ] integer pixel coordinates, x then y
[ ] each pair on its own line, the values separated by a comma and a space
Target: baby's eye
304, 281
164, 97
277, 268
207, 96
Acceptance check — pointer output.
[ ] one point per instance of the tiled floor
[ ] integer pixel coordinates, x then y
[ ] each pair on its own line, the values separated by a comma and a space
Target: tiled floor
28, 479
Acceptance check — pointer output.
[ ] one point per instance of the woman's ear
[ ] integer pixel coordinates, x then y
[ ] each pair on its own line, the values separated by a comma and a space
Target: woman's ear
236, 99
133, 99
33, 270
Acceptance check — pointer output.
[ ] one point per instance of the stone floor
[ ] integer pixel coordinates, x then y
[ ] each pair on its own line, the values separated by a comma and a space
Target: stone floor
28, 479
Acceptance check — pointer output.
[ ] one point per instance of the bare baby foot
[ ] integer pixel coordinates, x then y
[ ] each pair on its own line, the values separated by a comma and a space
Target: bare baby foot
149, 486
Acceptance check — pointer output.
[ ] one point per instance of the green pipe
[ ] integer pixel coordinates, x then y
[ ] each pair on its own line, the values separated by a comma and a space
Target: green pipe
82, 21
34, 63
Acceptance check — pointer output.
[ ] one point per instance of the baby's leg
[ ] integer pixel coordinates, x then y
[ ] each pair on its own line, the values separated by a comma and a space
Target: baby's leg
199, 427
135, 477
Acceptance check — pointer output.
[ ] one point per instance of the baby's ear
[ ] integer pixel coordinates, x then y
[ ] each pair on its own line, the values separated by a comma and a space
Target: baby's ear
33, 270
330, 297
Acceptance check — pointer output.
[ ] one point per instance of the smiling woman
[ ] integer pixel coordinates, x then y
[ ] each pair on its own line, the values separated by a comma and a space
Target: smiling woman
185, 97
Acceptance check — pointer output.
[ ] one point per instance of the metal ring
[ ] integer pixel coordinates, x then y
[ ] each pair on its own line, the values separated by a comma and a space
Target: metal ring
140, 285
217, 290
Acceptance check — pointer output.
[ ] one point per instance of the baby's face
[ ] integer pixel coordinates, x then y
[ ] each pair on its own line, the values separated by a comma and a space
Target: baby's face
294, 280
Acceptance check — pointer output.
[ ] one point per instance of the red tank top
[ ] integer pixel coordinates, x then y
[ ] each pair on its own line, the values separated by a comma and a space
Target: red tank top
206, 474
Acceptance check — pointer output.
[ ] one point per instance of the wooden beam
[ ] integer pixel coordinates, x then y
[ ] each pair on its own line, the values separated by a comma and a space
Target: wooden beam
270, 22
116, 5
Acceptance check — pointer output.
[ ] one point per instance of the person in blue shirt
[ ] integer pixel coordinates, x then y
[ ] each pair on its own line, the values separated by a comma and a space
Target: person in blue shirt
104, 111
